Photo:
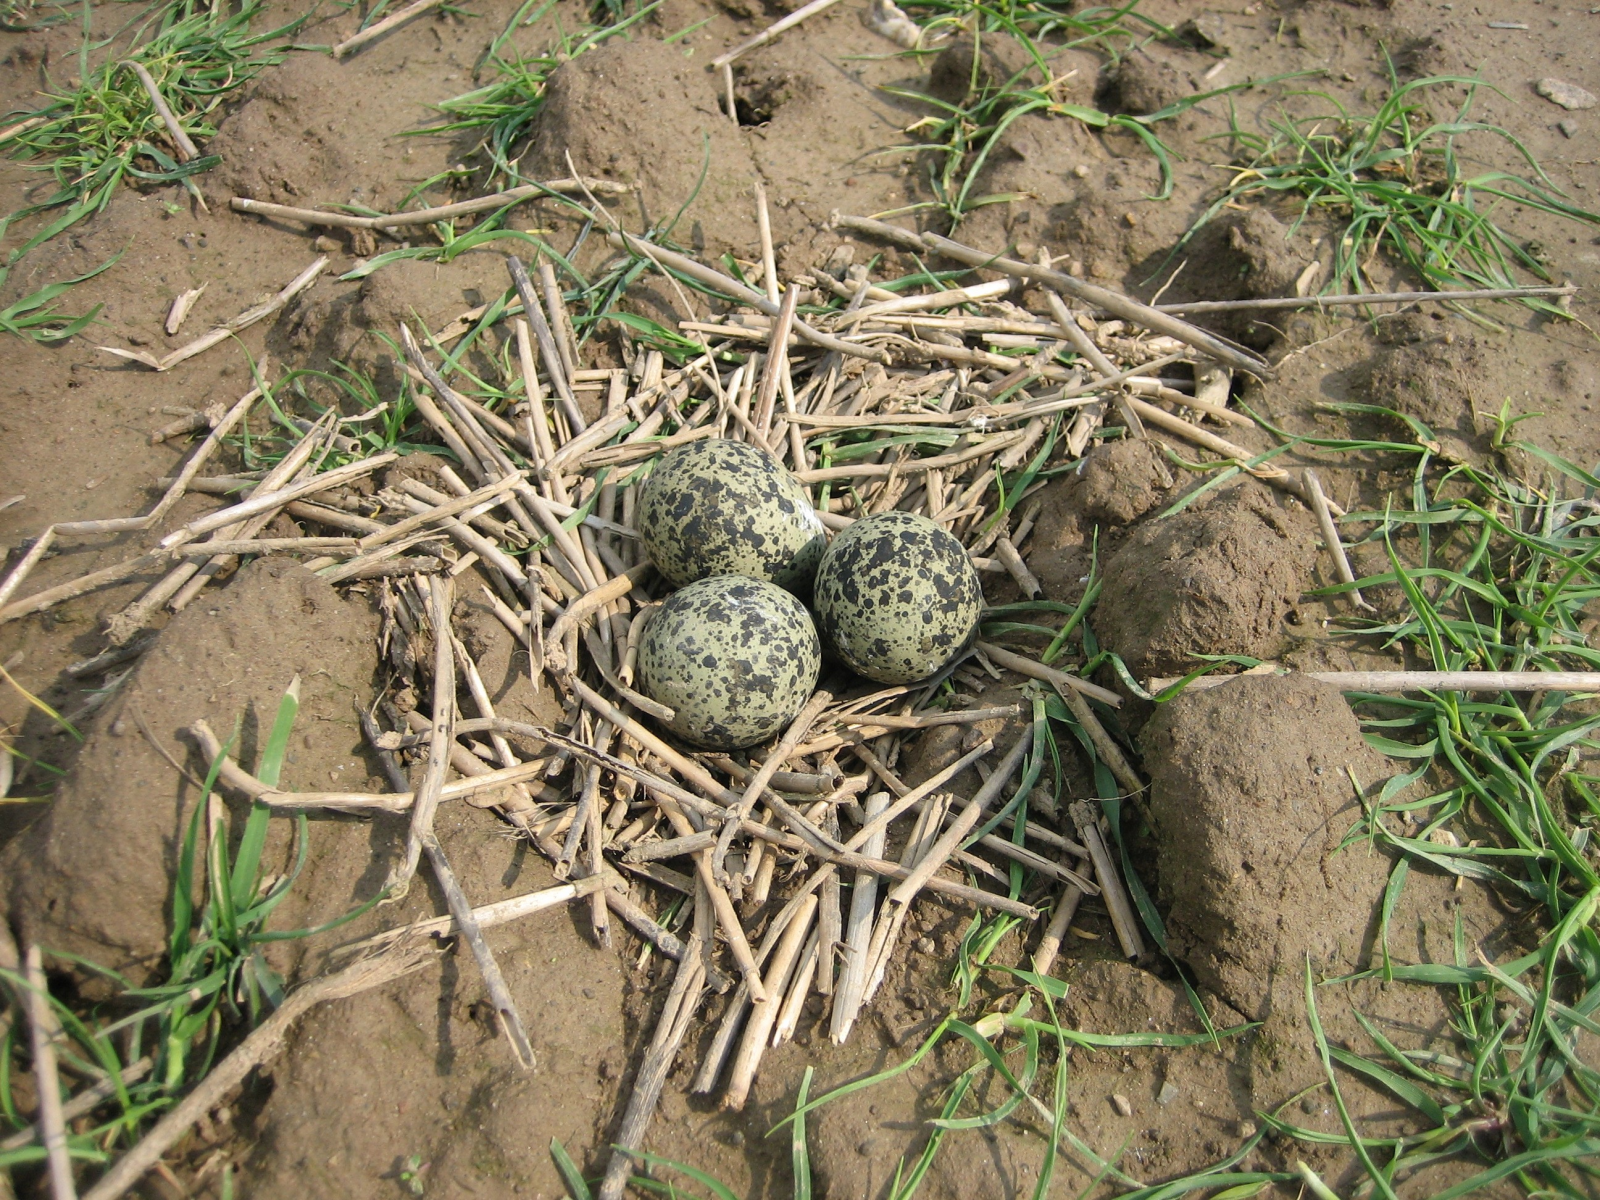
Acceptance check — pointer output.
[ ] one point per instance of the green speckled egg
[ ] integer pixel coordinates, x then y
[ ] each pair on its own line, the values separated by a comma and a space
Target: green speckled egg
897, 597
718, 507
737, 658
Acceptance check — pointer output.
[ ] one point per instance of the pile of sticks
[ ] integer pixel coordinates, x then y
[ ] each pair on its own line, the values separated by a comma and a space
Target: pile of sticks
797, 865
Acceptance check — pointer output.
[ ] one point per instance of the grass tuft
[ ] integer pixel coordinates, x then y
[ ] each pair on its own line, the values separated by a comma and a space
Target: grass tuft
104, 129
1395, 181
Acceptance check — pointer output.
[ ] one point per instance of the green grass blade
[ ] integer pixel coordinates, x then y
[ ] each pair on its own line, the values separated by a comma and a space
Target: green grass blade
1379, 1179
570, 1175
799, 1157
247, 861
718, 1189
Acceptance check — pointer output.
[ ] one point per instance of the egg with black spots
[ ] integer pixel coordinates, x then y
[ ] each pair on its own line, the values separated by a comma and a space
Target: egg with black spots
897, 598
735, 658
720, 507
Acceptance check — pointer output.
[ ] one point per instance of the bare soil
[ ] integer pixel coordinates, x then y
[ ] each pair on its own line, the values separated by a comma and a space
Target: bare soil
1248, 795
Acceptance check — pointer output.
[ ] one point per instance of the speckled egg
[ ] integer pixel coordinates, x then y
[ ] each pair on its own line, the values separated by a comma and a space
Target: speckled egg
718, 507
897, 597
736, 658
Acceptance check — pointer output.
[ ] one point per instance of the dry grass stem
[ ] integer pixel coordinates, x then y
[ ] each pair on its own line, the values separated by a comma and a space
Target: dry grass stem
730, 286
487, 916
1050, 945
267, 501
764, 1012
466, 924
549, 352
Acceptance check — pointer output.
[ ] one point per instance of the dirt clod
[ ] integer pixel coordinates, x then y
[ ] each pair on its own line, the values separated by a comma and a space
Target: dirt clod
1238, 256
652, 136
1139, 85
94, 876
1433, 379
1216, 579
1121, 481
955, 76
1250, 798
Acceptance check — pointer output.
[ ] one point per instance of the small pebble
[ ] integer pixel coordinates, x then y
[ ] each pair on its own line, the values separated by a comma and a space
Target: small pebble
1568, 127
1121, 1104
326, 245
924, 945
1169, 1093
1081, 170
1568, 95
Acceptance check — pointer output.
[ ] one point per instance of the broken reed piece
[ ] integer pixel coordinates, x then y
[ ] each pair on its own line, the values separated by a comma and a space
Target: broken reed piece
84, 1102
263, 501
486, 916
226, 330
1113, 302
948, 842
775, 366
727, 918
1330, 537
858, 931
505, 1006
1267, 303
427, 216
764, 1012
730, 286
1104, 744
1034, 669
844, 856
176, 315
187, 150
1281, 480
1050, 944
43, 1029
361, 38
1084, 345
549, 351
440, 595
1392, 682
1123, 920
555, 656
180, 585
260, 1047
176, 488
753, 791
771, 31
236, 777
688, 987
